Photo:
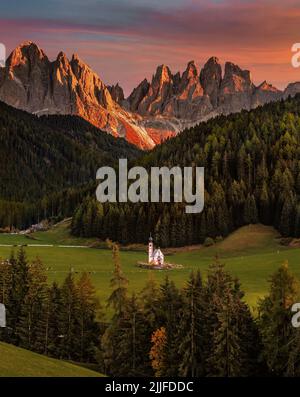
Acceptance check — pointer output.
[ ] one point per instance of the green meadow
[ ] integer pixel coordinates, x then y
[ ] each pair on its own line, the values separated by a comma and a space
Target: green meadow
252, 253
18, 362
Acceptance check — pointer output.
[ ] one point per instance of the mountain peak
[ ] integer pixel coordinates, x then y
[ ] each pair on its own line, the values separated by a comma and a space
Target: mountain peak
31, 82
26, 51
77, 59
213, 61
153, 111
232, 69
191, 64
210, 78
29, 47
61, 57
265, 86
163, 74
28, 43
138, 94
192, 70
117, 93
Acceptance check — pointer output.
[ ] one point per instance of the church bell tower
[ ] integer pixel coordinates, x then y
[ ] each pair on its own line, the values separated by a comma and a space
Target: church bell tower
150, 249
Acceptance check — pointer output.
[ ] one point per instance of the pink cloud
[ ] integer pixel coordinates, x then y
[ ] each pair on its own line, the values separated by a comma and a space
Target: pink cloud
258, 35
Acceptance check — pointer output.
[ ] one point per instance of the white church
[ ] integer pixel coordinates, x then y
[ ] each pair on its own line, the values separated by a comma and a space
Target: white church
155, 256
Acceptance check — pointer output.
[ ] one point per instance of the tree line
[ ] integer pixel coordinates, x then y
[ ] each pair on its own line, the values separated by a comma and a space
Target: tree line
43, 157
203, 329
252, 174
58, 321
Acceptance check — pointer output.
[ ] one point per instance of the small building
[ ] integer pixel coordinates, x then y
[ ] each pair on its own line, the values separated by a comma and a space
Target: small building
155, 256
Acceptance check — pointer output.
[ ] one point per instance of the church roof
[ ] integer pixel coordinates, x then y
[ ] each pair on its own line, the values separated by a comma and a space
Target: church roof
157, 252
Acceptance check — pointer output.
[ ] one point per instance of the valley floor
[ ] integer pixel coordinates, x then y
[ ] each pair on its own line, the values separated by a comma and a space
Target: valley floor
252, 253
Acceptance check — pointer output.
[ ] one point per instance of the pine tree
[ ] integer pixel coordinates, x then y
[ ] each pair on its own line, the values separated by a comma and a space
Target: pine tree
51, 337
70, 340
225, 325
275, 319
149, 297
287, 218
88, 305
131, 339
169, 312
31, 309
190, 334
118, 301
118, 283
19, 290
5, 281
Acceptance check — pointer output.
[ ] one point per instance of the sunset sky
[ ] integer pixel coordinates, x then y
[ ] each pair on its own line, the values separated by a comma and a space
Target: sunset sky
125, 40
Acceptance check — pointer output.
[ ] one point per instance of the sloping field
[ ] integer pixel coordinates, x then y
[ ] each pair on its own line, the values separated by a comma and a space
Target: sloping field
16, 362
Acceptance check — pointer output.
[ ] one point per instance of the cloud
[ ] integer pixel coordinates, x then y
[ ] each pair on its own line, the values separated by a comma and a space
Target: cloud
129, 38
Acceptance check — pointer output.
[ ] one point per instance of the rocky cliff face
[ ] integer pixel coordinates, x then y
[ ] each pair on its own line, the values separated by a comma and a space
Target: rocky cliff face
236, 89
32, 83
265, 93
291, 90
171, 96
210, 78
153, 111
196, 96
171, 103
117, 93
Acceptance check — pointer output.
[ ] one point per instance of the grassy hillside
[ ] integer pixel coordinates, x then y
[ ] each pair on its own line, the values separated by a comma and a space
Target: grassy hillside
252, 253
59, 234
19, 362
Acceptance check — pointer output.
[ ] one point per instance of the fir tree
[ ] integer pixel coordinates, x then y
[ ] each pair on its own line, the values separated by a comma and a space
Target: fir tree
88, 305
32, 307
275, 320
190, 334
70, 340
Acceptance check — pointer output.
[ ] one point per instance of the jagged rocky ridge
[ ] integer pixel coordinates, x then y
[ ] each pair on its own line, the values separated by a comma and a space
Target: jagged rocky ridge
153, 111
31, 82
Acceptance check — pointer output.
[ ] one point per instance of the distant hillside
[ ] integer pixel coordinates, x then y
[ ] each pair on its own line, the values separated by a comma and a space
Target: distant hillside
42, 155
252, 175
15, 362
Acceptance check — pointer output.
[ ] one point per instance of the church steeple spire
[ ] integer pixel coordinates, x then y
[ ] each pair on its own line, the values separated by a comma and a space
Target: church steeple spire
150, 249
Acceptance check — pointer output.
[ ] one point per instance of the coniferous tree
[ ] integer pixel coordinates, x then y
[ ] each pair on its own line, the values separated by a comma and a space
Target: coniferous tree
169, 313
227, 326
19, 291
88, 305
275, 320
118, 302
32, 307
132, 348
117, 299
190, 334
158, 352
5, 281
51, 338
70, 328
